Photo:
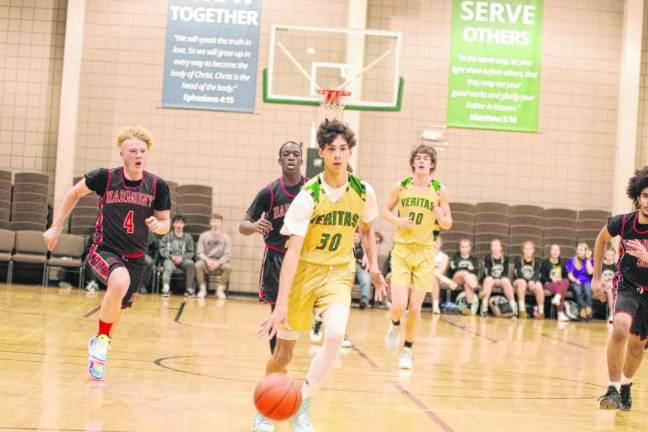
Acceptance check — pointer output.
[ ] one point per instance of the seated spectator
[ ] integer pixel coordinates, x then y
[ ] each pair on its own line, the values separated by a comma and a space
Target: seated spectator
579, 271
496, 275
464, 269
362, 276
214, 255
177, 251
608, 273
526, 274
554, 279
150, 261
441, 261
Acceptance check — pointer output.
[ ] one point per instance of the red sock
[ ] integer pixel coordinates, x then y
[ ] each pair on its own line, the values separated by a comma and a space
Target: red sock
104, 328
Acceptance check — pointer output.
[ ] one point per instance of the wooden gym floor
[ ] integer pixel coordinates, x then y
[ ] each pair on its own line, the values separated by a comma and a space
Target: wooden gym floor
190, 365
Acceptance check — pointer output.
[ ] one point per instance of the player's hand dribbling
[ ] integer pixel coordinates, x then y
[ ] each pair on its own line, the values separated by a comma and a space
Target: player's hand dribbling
263, 225
153, 224
403, 222
51, 237
268, 328
597, 289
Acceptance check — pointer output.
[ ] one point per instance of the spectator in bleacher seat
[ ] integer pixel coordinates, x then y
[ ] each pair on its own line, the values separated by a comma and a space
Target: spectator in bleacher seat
150, 262
496, 266
177, 251
441, 262
526, 277
463, 270
608, 272
214, 255
553, 276
579, 270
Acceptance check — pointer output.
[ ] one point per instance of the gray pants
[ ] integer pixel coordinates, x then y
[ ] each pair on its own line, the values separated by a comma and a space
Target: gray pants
187, 265
222, 274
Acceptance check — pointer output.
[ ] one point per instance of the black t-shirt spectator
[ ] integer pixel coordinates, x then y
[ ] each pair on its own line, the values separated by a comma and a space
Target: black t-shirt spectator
457, 263
496, 268
548, 268
608, 271
527, 270
96, 181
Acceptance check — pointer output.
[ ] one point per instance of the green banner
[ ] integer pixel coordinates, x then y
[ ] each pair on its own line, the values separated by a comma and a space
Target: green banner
495, 64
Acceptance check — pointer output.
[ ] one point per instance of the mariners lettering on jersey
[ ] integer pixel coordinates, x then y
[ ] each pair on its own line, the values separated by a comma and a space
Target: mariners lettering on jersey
339, 217
418, 204
129, 197
280, 211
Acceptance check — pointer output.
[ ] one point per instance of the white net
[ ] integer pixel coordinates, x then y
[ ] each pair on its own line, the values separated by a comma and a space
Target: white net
332, 106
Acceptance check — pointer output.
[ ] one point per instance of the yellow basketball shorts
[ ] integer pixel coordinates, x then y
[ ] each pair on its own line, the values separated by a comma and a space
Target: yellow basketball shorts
315, 288
413, 266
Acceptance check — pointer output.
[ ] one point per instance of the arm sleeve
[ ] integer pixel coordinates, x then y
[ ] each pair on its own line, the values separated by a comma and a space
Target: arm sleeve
569, 268
298, 215
164, 246
189, 250
614, 225
487, 266
96, 180
200, 250
260, 205
544, 271
371, 205
475, 263
517, 263
227, 250
162, 196
536, 267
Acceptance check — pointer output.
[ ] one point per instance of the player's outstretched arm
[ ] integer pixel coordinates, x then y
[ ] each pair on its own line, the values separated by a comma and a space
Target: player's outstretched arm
70, 200
390, 205
370, 247
599, 251
442, 211
268, 328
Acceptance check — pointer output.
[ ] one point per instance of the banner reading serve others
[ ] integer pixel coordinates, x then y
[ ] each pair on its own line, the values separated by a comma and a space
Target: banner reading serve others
495, 64
211, 54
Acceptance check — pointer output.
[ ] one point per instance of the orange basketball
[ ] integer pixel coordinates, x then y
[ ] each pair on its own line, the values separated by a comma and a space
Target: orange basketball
277, 396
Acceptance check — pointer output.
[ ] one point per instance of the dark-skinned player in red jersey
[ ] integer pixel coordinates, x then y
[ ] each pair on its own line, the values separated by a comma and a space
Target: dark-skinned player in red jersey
630, 309
266, 215
133, 203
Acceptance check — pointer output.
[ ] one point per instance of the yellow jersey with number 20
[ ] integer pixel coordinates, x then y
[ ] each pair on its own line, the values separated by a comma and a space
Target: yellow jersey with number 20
418, 205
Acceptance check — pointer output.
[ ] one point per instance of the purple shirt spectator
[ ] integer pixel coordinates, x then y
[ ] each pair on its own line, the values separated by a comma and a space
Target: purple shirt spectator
581, 274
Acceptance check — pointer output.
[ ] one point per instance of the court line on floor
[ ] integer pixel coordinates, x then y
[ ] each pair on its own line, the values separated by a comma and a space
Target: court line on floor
467, 329
179, 313
416, 401
565, 341
92, 312
61, 429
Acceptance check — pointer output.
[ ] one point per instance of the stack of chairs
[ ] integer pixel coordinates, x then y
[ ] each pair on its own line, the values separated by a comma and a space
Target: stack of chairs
590, 223
195, 204
29, 202
84, 216
560, 228
526, 224
491, 222
463, 226
5, 199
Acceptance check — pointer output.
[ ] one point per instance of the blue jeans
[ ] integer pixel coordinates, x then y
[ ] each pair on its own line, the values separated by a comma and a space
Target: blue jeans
583, 294
363, 279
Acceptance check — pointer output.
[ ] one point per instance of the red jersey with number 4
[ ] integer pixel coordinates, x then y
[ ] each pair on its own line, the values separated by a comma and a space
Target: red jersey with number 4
123, 210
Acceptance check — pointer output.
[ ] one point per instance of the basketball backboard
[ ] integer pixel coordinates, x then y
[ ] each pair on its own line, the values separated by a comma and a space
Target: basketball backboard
303, 60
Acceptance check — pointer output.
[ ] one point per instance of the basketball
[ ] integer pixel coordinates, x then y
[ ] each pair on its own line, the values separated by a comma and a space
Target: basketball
277, 396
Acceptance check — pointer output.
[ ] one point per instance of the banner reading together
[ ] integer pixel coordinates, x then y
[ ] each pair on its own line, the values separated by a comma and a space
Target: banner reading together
211, 54
495, 53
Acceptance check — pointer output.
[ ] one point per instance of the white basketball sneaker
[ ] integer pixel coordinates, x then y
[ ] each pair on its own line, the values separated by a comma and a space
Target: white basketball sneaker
301, 421
405, 358
262, 424
392, 336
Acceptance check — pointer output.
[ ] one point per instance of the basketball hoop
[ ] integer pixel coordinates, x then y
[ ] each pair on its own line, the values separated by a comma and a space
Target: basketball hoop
331, 107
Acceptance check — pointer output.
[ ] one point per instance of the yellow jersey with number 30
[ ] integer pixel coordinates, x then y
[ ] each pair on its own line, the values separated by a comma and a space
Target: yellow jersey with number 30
418, 205
329, 239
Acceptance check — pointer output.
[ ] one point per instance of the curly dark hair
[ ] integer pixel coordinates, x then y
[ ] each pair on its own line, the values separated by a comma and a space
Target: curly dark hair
329, 130
637, 184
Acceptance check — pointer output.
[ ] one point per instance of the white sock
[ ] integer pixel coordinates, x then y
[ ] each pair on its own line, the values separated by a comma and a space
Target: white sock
541, 308
484, 306
616, 385
335, 320
625, 380
435, 304
521, 306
